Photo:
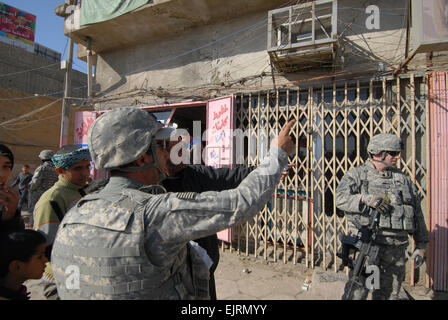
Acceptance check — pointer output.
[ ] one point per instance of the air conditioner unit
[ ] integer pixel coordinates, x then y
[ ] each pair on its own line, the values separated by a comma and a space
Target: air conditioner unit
429, 25
303, 35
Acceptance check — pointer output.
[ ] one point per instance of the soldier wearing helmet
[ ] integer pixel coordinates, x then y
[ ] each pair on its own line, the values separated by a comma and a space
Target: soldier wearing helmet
130, 242
385, 144
44, 178
379, 184
45, 155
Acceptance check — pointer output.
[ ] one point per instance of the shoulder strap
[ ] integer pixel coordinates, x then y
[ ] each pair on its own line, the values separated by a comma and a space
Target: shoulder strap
57, 210
364, 181
127, 198
82, 192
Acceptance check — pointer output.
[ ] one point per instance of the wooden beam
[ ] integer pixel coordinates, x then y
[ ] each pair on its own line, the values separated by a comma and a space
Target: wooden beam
405, 62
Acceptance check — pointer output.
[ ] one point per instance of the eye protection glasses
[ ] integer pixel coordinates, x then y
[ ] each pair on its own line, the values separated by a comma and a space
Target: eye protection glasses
393, 153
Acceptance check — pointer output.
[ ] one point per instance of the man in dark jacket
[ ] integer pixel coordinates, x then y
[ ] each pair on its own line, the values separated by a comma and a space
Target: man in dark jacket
22, 180
200, 178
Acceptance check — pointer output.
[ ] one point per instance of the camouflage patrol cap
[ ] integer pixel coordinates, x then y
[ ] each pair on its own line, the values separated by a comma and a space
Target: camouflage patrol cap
121, 136
46, 154
384, 142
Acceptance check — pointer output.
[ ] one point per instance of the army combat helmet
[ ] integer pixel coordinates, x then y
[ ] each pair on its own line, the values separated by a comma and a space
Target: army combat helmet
120, 136
46, 155
384, 142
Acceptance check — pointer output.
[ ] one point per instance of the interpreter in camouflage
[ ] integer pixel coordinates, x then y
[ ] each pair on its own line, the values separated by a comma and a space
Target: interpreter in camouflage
379, 184
45, 176
125, 243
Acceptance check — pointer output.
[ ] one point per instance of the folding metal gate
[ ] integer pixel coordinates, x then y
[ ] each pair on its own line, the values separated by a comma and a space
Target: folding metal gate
334, 123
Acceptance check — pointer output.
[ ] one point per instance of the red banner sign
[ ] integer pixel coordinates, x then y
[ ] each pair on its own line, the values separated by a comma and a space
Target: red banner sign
17, 24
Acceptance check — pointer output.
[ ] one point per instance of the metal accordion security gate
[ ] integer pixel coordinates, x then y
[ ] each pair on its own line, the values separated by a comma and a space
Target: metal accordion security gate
334, 122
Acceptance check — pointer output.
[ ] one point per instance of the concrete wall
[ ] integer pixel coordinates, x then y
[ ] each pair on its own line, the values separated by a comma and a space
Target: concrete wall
217, 59
42, 80
29, 135
30, 123
178, 68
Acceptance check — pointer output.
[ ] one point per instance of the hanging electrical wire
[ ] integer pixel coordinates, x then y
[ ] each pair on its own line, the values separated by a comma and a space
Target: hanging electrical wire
244, 37
43, 95
28, 70
30, 113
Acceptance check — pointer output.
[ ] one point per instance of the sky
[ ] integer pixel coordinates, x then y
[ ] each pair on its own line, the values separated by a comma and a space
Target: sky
49, 27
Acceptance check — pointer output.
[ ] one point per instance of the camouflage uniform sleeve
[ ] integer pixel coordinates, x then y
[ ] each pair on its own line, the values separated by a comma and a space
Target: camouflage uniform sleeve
421, 235
348, 193
36, 180
177, 220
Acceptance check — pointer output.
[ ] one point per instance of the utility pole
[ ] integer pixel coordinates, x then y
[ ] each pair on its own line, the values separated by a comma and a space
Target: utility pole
89, 69
65, 102
65, 116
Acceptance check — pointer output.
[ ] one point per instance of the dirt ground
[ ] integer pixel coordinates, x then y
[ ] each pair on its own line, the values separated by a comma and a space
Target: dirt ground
241, 277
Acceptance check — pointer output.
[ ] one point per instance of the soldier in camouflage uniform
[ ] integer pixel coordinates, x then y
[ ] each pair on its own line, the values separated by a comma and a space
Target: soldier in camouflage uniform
379, 184
124, 242
44, 178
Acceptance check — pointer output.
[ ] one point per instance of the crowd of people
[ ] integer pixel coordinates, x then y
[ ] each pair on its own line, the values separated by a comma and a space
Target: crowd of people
25, 252
149, 231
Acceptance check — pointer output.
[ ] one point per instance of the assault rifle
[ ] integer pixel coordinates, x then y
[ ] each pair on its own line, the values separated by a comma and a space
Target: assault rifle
363, 243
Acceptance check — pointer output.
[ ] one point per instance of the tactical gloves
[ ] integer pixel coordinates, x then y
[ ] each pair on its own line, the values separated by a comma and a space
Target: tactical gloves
378, 203
419, 257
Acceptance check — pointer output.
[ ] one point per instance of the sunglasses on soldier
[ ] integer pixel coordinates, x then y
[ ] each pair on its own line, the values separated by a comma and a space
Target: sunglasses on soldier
393, 153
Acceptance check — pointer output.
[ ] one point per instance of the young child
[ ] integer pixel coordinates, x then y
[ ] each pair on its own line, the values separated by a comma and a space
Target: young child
72, 164
22, 257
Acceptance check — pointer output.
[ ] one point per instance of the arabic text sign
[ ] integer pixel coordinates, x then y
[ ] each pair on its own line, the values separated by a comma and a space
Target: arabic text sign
83, 121
219, 132
17, 24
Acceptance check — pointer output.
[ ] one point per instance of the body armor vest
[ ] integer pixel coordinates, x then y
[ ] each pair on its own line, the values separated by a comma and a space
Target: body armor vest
102, 238
394, 185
